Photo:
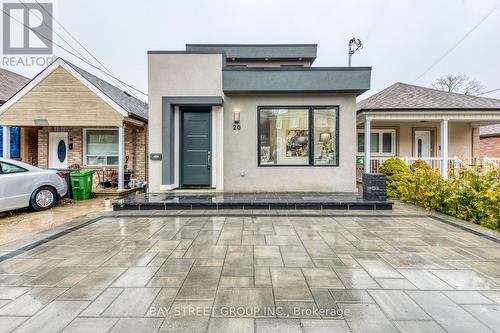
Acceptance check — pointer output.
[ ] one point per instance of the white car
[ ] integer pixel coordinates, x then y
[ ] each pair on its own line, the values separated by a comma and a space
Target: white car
23, 185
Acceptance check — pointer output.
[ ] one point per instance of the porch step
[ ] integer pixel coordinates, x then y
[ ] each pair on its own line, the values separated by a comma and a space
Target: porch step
246, 201
115, 193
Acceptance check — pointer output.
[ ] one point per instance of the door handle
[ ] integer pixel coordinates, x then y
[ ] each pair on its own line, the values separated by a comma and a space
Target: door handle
209, 159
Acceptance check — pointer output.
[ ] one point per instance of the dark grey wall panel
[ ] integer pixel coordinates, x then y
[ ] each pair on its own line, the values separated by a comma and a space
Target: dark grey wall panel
168, 135
314, 79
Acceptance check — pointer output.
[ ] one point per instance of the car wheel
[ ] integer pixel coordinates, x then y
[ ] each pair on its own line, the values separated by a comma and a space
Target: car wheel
43, 198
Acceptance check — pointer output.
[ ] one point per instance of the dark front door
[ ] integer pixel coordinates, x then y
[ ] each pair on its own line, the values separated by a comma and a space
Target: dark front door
196, 147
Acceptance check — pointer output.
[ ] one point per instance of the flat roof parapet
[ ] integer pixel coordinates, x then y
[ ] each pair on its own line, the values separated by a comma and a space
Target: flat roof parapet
259, 51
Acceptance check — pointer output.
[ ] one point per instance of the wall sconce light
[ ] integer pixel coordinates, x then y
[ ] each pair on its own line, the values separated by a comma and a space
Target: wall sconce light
236, 120
236, 116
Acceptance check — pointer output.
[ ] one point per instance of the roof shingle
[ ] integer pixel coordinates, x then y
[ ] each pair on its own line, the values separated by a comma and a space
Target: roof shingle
129, 103
10, 83
490, 130
407, 96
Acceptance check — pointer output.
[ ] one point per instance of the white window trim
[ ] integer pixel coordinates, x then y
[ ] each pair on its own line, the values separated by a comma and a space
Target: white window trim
380, 143
84, 143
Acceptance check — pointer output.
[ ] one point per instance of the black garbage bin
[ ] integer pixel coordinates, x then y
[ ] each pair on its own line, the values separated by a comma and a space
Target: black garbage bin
67, 178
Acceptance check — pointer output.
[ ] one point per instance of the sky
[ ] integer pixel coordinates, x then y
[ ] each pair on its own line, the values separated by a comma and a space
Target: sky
402, 38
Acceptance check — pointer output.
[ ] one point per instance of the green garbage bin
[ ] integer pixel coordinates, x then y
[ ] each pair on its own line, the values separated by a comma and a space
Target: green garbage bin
81, 184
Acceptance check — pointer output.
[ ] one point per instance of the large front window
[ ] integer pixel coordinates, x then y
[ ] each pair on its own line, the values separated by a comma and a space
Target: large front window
101, 147
298, 136
382, 142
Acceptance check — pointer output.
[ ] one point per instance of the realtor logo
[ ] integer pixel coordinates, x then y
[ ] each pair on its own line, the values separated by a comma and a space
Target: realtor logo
27, 28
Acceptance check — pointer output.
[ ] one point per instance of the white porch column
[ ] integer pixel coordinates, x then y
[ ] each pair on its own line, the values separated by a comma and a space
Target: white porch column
6, 141
444, 148
121, 156
367, 145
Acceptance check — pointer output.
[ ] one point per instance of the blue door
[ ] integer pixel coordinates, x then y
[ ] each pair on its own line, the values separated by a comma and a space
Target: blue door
15, 151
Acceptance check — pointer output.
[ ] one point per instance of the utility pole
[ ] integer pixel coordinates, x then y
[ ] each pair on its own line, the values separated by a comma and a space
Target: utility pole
354, 46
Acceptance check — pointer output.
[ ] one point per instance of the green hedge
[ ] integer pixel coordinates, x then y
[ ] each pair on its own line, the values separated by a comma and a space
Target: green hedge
397, 174
472, 197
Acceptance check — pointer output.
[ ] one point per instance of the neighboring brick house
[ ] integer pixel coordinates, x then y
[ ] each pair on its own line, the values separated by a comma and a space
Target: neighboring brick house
10, 83
70, 117
489, 138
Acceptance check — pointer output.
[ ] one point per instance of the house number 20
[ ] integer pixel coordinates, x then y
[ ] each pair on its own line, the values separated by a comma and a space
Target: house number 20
236, 127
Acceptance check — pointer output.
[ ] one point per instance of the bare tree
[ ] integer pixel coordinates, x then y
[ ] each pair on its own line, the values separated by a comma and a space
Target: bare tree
459, 83
474, 88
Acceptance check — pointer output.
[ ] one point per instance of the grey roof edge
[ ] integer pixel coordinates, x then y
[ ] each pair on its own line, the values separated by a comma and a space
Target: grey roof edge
193, 100
261, 51
297, 91
404, 96
137, 101
491, 135
443, 91
303, 80
250, 45
490, 130
184, 52
299, 69
427, 109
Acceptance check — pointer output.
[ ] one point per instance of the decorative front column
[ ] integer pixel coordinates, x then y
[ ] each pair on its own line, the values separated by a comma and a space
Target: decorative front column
444, 148
121, 156
6, 141
367, 146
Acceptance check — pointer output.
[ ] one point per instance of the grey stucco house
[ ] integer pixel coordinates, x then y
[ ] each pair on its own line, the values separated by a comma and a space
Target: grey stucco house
240, 118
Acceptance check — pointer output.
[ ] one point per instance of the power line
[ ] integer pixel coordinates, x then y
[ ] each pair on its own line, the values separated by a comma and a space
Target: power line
487, 92
44, 23
77, 41
76, 56
67, 43
454, 46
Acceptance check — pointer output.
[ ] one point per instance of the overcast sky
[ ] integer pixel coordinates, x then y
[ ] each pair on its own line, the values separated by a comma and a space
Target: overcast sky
402, 38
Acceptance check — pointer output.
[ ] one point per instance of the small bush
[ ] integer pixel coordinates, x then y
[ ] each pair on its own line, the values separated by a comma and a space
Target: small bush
472, 197
419, 165
425, 187
397, 173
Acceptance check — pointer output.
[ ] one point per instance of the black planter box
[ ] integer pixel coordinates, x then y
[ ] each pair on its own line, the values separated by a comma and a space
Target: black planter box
374, 187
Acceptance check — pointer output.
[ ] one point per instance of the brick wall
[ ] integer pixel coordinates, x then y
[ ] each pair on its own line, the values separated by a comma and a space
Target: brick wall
135, 149
32, 146
490, 146
43, 144
140, 153
75, 137
130, 134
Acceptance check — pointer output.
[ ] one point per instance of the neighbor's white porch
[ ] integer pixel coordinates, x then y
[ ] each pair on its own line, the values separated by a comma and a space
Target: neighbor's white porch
445, 139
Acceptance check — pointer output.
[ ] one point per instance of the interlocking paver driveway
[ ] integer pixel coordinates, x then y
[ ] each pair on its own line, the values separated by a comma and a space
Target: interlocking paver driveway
354, 273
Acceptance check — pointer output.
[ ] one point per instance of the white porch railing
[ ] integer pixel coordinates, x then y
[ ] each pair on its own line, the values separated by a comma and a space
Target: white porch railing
455, 164
495, 161
490, 163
